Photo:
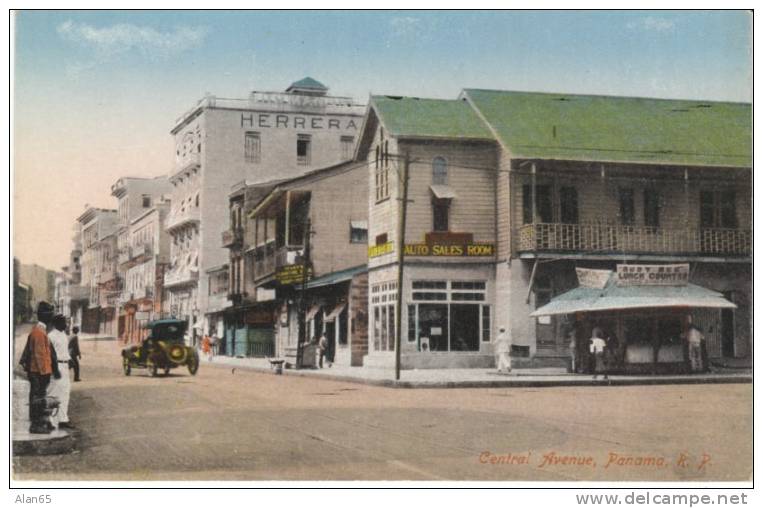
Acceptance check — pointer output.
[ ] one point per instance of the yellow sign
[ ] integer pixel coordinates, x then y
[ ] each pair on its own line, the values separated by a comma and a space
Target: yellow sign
291, 274
380, 250
463, 250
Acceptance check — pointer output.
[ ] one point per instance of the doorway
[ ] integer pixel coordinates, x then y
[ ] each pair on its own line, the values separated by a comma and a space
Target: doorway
727, 330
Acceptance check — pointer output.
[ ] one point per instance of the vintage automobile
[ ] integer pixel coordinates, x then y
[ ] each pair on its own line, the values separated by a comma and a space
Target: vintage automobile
163, 349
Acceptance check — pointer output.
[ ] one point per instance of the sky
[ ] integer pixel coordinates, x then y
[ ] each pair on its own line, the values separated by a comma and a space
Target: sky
96, 93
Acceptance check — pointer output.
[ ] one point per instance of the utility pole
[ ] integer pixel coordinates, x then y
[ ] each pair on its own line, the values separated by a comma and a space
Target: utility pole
400, 264
302, 332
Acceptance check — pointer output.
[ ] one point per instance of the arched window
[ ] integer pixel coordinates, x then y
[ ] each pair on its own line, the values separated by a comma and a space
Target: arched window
439, 171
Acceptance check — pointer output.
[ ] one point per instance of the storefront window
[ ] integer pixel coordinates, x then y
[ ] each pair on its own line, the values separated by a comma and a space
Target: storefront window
445, 320
383, 297
433, 322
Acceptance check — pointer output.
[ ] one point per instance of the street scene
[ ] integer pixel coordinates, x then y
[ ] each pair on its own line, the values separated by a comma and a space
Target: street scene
245, 425
384, 246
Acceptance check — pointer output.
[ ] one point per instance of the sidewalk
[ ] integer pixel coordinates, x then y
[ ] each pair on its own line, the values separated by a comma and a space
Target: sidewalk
474, 378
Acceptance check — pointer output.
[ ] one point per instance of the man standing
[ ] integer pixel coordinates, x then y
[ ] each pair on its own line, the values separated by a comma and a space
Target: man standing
39, 362
596, 348
323, 345
694, 337
74, 353
60, 387
503, 351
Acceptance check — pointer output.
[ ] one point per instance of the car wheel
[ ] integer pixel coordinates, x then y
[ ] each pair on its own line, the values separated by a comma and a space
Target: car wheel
126, 366
152, 368
193, 363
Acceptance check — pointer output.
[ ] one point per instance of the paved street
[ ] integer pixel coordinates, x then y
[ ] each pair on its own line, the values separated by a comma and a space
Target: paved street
229, 424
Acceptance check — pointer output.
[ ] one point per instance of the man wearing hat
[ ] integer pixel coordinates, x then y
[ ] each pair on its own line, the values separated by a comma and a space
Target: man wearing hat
40, 362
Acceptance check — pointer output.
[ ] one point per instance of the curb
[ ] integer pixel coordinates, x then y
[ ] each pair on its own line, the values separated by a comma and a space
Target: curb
508, 383
62, 442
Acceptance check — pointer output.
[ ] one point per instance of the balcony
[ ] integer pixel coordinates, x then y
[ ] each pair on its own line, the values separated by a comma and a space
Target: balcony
78, 293
619, 239
177, 219
125, 254
141, 251
232, 238
190, 162
268, 259
107, 274
143, 293
264, 260
181, 277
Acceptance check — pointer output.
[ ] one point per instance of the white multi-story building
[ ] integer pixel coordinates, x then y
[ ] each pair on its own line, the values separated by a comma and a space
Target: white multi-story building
143, 250
98, 262
267, 136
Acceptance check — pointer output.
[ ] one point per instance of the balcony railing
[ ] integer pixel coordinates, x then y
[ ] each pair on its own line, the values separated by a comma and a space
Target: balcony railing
178, 277
264, 260
141, 250
232, 237
178, 218
187, 163
143, 292
124, 255
602, 238
107, 274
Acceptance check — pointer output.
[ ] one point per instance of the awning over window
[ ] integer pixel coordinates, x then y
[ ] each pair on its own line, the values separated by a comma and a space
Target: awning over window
614, 297
359, 224
312, 312
443, 191
334, 313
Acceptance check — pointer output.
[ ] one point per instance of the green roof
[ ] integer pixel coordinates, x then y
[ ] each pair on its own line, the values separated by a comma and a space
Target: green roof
309, 83
619, 129
413, 117
336, 277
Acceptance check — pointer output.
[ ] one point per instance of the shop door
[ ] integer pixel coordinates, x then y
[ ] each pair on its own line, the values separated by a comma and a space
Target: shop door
464, 327
240, 345
331, 338
261, 341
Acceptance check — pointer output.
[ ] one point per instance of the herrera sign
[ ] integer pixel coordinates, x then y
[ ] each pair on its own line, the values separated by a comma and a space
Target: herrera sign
653, 275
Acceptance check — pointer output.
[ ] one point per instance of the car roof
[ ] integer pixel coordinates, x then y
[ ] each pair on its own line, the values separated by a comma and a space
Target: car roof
151, 324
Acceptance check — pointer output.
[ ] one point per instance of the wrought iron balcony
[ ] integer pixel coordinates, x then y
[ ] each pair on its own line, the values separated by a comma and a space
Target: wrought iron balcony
622, 239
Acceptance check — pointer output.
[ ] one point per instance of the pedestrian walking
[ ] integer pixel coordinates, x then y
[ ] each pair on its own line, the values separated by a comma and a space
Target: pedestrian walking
694, 338
597, 349
503, 351
40, 363
206, 347
74, 353
60, 387
213, 344
323, 345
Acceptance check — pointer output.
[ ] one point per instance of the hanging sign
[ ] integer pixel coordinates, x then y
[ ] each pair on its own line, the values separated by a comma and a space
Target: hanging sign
291, 274
653, 275
588, 278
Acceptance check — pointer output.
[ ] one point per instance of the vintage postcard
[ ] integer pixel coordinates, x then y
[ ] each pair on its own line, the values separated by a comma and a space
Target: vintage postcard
408, 246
